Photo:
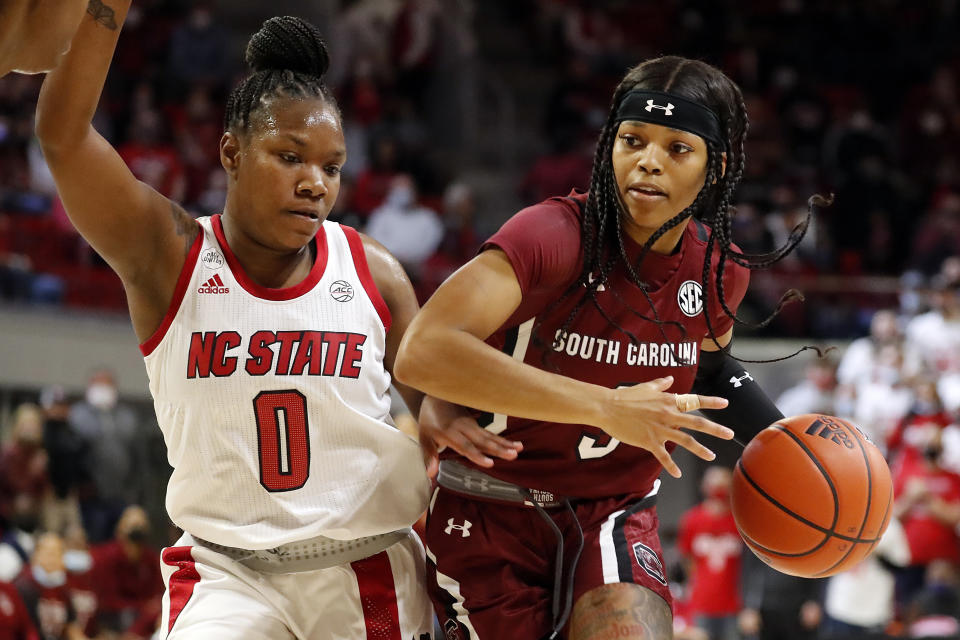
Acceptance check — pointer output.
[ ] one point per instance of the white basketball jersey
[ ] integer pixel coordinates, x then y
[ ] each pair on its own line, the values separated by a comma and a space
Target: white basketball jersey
274, 403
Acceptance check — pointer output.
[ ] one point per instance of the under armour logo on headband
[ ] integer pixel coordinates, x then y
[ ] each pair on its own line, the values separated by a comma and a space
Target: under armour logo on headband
671, 110
667, 110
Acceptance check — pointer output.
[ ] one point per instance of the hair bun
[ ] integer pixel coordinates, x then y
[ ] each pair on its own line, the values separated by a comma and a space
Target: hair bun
288, 43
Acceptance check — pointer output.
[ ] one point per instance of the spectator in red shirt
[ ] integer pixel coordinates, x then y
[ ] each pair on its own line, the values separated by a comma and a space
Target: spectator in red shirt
926, 413
150, 159
374, 182
15, 623
43, 587
709, 541
927, 501
127, 572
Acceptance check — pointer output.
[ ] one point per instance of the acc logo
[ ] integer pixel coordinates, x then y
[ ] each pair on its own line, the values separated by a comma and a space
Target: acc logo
341, 291
211, 259
690, 298
648, 560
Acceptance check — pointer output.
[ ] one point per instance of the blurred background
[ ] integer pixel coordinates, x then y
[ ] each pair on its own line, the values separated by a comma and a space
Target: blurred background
457, 114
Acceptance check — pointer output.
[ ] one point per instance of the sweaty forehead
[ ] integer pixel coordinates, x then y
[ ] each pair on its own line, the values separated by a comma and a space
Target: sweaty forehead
300, 116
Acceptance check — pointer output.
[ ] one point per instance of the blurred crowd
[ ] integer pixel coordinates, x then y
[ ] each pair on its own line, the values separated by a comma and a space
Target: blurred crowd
162, 109
76, 547
840, 102
856, 99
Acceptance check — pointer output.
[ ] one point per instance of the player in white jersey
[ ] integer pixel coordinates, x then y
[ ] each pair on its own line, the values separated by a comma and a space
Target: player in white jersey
268, 335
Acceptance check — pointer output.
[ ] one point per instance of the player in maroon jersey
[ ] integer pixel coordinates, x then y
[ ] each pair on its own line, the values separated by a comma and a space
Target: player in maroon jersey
34, 34
580, 330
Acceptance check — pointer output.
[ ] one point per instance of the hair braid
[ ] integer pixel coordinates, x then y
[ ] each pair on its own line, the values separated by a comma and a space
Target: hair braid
288, 58
604, 212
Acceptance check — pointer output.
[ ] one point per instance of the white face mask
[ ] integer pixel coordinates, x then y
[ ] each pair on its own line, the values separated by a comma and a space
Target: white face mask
401, 197
101, 395
46, 579
77, 560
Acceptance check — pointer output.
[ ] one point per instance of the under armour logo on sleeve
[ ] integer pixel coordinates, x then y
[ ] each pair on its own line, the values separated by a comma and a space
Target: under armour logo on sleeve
738, 382
462, 528
667, 110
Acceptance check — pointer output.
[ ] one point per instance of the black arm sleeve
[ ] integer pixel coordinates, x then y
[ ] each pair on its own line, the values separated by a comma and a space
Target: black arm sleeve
750, 410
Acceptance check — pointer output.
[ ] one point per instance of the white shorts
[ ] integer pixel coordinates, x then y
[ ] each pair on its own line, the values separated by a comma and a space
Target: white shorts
210, 596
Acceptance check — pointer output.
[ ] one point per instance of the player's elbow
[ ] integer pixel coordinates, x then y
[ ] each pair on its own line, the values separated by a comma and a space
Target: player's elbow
56, 134
412, 366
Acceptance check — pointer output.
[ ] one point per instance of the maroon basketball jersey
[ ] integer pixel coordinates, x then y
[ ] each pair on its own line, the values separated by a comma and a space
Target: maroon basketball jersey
542, 243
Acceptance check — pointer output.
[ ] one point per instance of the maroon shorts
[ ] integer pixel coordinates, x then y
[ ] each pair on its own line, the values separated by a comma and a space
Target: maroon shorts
490, 567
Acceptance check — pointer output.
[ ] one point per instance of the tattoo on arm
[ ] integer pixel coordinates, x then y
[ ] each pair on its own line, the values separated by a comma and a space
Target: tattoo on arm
184, 223
102, 14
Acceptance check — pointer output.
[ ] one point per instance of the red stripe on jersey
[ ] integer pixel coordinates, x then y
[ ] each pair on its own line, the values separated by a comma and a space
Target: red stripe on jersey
181, 583
217, 279
363, 270
378, 597
288, 293
178, 292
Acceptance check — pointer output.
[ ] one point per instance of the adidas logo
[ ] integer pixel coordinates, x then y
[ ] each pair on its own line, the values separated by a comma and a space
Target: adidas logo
213, 285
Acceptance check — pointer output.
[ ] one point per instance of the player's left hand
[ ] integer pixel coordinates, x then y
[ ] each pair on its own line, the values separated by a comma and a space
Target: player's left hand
443, 424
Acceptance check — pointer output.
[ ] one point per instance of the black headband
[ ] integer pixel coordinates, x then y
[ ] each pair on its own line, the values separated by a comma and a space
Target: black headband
671, 111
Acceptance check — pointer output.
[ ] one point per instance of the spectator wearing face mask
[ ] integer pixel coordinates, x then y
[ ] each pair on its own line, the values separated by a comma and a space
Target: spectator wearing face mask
409, 231
927, 501
108, 431
23, 461
709, 541
43, 587
81, 581
926, 414
127, 573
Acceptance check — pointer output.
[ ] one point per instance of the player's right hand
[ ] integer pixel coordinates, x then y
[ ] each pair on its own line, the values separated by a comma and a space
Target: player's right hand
645, 416
443, 424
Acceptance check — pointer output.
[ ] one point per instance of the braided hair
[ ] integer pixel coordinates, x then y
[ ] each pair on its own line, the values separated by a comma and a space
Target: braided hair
604, 212
288, 58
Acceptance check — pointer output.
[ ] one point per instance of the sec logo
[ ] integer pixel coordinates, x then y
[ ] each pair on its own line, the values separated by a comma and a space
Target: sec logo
690, 298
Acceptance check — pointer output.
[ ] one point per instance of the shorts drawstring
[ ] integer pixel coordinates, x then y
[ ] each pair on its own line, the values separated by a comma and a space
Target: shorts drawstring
560, 617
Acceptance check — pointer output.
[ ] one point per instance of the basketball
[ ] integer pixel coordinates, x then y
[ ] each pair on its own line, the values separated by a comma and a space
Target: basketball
811, 495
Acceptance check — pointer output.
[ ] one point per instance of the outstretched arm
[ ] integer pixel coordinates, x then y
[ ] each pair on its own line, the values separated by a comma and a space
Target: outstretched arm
143, 236
444, 354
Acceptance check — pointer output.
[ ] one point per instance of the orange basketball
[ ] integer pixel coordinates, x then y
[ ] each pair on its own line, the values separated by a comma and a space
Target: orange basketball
811, 495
